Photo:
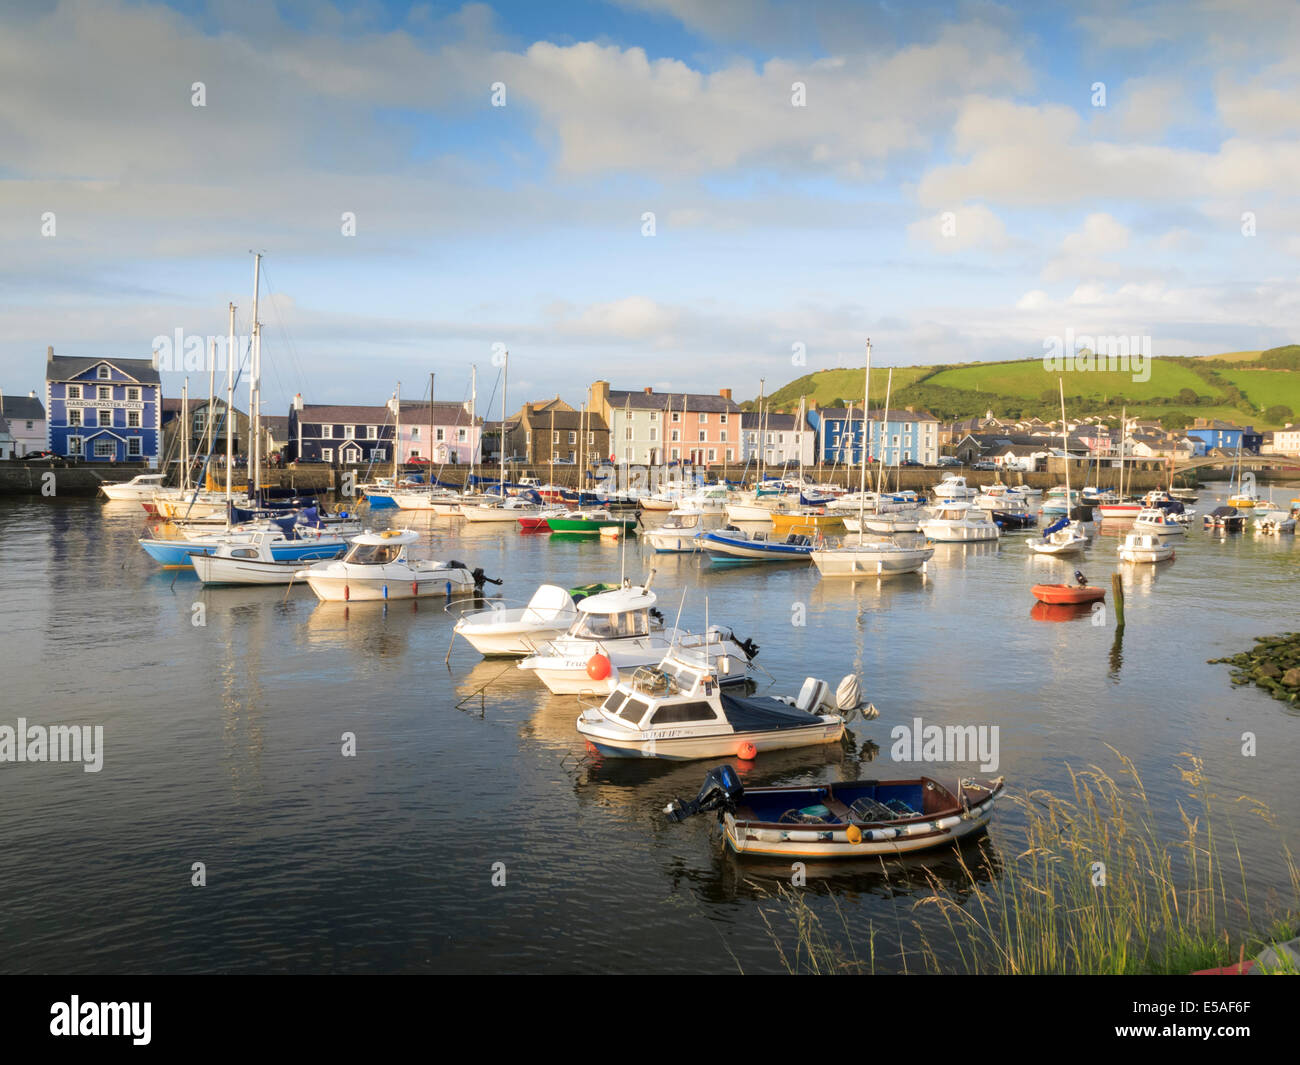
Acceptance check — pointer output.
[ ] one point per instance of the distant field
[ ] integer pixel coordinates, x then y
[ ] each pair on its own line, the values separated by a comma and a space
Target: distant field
1233, 356
1265, 388
1029, 379
826, 386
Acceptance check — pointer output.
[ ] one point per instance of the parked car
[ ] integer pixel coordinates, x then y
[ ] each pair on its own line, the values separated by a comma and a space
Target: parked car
983, 464
909, 462
949, 460
40, 455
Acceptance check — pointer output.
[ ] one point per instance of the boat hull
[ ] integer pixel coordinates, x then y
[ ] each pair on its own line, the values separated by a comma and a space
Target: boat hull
833, 841
1067, 594
728, 745
178, 554
863, 562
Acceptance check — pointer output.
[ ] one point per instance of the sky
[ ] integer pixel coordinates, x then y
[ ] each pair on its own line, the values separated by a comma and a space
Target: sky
684, 194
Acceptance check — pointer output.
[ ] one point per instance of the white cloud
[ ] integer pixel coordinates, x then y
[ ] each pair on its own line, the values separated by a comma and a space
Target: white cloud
970, 227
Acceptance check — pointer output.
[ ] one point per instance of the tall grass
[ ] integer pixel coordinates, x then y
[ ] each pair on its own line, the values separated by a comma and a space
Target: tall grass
1087, 885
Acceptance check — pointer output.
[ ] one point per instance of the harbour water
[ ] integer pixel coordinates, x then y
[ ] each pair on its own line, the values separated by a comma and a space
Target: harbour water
472, 831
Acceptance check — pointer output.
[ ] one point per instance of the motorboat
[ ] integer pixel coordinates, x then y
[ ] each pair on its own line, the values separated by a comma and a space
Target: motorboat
855, 819
590, 522
438, 500
679, 533
1062, 537
678, 709
516, 631
250, 561
957, 522
377, 567
1120, 510
1159, 521
288, 543
874, 556
620, 631
510, 509
886, 524
1229, 519
1060, 500
1145, 547
708, 499
1274, 522
953, 487
137, 489
731, 544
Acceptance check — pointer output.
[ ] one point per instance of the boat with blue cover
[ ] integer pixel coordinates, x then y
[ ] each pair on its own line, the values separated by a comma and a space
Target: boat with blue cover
856, 819
733, 544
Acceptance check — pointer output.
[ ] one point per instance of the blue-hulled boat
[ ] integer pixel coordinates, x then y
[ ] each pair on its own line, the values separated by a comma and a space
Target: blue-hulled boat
732, 544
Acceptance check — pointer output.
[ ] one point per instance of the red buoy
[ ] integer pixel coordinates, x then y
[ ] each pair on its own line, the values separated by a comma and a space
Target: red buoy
598, 666
748, 751
347, 593
415, 587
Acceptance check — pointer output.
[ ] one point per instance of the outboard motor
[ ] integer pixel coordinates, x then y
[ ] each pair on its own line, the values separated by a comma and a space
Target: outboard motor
722, 789
481, 578
749, 647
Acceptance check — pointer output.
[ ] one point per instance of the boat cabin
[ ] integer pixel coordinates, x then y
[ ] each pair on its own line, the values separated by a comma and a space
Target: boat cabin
379, 549
621, 614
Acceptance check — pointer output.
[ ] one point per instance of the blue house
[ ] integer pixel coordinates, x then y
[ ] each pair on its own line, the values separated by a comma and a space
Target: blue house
103, 410
895, 436
339, 435
1217, 434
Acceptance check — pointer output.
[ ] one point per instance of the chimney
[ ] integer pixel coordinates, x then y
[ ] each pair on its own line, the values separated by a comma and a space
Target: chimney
725, 393
649, 391
297, 401
49, 352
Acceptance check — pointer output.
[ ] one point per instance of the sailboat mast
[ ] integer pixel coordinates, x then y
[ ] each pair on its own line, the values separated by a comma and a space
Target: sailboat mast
185, 435
212, 394
505, 378
473, 424
1065, 447
430, 431
230, 401
762, 433
880, 476
397, 430
255, 388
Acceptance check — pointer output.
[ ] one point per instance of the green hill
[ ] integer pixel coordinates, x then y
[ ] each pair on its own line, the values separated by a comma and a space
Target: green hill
1259, 388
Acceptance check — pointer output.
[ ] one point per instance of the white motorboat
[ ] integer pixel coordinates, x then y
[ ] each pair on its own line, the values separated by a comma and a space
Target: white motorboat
439, 501
873, 557
1275, 522
759, 509
145, 486
953, 487
1062, 537
250, 561
709, 499
679, 533
1158, 521
502, 510
887, 524
376, 567
619, 631
1145, 547
505, 631
677, 709
731, 544
955, 522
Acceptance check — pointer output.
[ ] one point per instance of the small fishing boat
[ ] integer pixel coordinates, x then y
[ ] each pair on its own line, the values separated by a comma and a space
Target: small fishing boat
677, 709
874, 557
850, 820
250, 561
955, 522
1062, 537
1145, 547
589, 522
953, 487
731, 544
504, 631
618, 631
1229, 519
510, 509
376, 567
679, 533
1159, 520
1060, 500
290, 545
1069, 594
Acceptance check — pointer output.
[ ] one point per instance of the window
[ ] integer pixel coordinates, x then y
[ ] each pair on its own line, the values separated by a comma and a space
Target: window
723, 417
133, 448
105, 449
677, 435
133, 419
703, 418
722, 437
372, 432
349, 431
74, 416
460, 435
681, 713
591, 438
106, 417
378, 453
105, 392
677, 415
555, 437
573, 438
351, 455
633, 710
627, 433
627, 454
74, 445
654, 433
677, 453
200, 422
327, 454
907, 427
74, 391
104, 374
713, 455
133, 395
414, 454
731, 455
415, 432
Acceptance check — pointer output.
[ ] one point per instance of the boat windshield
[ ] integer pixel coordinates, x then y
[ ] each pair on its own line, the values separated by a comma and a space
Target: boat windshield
612, 626
373, 554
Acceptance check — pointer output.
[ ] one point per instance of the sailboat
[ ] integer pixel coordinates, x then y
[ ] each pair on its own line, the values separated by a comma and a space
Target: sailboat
1063, 537
879, 556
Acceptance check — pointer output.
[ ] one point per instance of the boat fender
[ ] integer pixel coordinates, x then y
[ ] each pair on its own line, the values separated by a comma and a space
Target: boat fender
879, 835
598, 666
748, 752
347, 593
947, 823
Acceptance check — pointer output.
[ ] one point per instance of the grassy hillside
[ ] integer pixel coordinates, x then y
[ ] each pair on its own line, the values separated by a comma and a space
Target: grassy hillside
1261, 388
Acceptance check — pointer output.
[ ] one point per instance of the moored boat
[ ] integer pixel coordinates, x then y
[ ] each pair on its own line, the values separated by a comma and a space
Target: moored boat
506, 631
376, 567
856, 819
1069, 594
731, 544
1145, 547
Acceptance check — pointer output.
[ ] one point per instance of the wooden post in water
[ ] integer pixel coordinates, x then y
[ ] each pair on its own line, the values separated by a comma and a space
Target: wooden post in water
1117, 591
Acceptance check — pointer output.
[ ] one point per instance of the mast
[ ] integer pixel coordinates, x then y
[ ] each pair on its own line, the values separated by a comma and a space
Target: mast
880, 477
431, 432
505, 379
473, 424
255, 389
1065, 446
866, 406
397, 431
185, 435
212, 399
762, 442
230, 403
552, 473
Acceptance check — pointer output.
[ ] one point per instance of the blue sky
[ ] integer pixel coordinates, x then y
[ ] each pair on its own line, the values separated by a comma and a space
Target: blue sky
949, 187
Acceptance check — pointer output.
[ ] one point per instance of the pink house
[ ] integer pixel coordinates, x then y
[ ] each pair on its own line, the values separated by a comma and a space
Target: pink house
446, 433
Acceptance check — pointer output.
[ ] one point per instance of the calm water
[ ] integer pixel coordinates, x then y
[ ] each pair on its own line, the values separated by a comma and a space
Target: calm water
222, 746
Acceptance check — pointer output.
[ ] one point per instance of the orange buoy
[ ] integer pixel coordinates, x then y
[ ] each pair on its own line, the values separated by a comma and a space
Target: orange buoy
347, 593
415, 588
854, 834
748, 751
598, 666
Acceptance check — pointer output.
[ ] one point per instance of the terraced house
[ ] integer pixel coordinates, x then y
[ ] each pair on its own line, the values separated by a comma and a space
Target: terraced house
339, 435
102, 409
649, 428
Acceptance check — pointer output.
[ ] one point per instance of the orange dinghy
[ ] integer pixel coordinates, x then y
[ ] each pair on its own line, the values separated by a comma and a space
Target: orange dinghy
1068, 594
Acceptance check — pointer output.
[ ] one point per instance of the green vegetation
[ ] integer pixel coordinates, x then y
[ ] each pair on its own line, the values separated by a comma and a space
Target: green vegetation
1259, 388
1037, 901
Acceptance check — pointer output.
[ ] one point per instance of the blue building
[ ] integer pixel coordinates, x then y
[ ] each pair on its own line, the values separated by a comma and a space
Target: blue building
103, 410
341, 435
895, 436
1217, 434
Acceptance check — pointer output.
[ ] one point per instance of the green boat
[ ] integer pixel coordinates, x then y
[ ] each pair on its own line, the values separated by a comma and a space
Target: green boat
590, 522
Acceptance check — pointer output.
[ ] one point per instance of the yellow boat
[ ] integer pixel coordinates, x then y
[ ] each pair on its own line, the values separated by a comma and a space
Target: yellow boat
784, 523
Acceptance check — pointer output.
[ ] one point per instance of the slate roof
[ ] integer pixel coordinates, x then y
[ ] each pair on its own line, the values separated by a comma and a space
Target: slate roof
66, 367
695, 403
22, 408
